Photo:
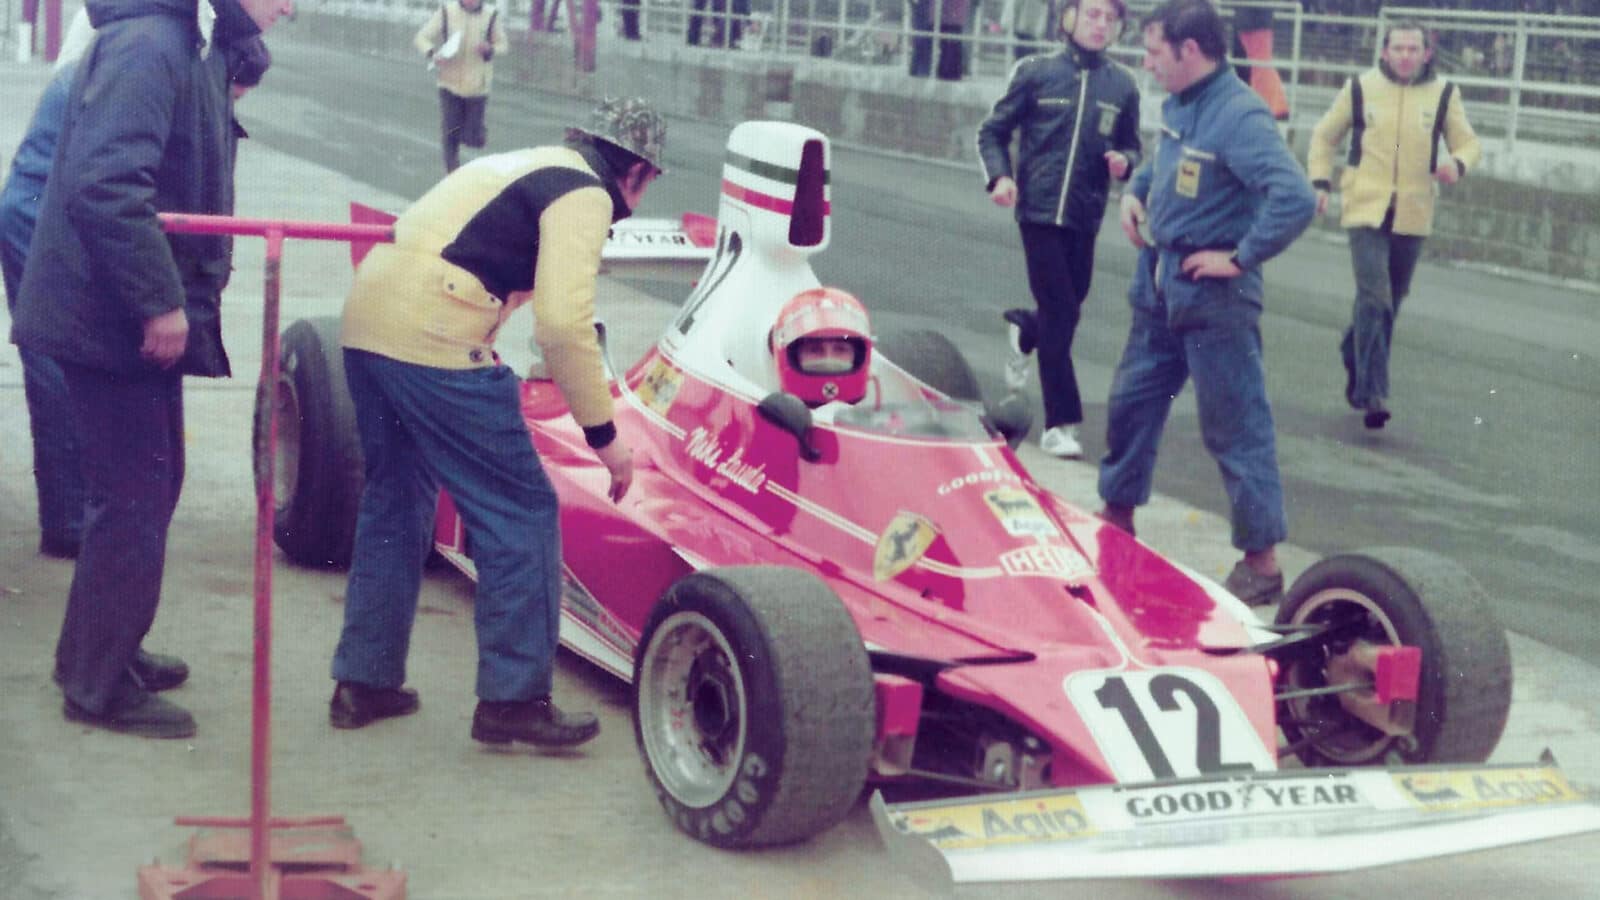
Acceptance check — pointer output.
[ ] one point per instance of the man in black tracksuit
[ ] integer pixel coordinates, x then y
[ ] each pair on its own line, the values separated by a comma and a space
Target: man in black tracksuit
1079, 116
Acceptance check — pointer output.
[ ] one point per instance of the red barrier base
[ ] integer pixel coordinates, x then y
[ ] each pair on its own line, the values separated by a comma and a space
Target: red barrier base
307, 863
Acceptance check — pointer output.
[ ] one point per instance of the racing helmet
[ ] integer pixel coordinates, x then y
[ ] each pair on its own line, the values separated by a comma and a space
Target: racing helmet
629, 124
822, 346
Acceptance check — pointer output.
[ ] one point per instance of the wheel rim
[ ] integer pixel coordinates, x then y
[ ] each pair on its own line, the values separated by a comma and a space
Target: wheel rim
1350, 741
286, 456
692, 709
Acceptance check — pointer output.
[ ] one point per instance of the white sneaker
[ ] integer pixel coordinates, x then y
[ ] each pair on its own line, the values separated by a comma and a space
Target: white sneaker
1061, 441
1016, 373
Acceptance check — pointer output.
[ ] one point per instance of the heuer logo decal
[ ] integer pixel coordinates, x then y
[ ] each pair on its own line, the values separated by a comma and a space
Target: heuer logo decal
1485, 788
1019, 513
660, 387
901, 544
1042, 819
1046, 560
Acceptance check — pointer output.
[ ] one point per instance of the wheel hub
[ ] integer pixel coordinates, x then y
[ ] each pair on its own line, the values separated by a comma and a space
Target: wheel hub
692, 708
1348, 728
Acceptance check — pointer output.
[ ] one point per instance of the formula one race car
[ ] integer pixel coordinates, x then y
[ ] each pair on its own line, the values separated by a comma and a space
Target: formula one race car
863, 583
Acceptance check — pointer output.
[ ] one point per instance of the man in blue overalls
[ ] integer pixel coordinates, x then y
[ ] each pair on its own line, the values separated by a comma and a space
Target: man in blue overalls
1221, 196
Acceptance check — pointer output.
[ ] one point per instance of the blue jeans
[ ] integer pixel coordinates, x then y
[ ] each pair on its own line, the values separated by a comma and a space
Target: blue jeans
57, 473
1384, 263
1235, 418
423, 428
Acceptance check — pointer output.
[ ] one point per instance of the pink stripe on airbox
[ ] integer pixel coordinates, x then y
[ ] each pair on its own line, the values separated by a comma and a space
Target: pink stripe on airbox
763, 201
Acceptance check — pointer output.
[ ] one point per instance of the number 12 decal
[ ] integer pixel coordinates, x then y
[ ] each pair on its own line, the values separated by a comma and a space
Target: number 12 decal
1167, 723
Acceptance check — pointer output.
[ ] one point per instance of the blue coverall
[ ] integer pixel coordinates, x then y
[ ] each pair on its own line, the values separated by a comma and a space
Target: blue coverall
1221, 178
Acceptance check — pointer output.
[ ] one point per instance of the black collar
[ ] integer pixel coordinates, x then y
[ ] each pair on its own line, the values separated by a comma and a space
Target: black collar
1188, 94
1085, 58
608, 179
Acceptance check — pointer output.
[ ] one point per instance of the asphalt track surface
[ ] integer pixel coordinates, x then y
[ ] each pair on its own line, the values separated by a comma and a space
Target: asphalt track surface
80, 810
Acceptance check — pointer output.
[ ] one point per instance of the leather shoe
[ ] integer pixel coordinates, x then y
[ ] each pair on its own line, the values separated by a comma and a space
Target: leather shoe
157, 672
1254, 588
1376, 415
1119, 517
140, 714
355, 705
534, 721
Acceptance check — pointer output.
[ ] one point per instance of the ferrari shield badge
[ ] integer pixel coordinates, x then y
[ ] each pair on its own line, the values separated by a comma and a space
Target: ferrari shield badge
901, 544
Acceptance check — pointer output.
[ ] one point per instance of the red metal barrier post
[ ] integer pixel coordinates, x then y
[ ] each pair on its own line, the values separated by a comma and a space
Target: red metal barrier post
310, 857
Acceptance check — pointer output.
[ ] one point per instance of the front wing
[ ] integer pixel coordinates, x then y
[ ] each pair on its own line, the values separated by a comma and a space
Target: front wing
1310, 821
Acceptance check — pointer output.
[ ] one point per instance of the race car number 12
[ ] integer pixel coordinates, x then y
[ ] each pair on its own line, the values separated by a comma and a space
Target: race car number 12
1168, 723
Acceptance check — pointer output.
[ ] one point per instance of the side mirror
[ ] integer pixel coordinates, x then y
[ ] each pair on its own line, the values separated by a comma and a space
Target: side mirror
1011, 417
790, 413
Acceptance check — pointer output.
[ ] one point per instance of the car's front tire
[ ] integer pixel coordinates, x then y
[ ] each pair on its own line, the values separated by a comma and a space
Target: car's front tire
753, 706
1398, 596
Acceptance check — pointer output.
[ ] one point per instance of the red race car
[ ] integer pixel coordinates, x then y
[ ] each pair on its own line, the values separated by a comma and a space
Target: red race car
830, 572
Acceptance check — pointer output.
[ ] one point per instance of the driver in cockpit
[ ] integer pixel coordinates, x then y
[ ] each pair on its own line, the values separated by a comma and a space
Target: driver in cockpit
822, 347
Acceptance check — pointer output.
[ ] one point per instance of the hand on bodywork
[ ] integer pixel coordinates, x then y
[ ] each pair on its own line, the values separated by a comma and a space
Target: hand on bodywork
618, 459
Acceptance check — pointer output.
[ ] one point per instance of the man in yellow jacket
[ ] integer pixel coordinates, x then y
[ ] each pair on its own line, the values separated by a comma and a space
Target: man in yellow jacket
1397, 112
460, 41
434, 407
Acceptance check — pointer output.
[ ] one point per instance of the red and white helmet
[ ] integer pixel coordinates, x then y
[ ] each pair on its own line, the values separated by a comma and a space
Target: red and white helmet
809, 325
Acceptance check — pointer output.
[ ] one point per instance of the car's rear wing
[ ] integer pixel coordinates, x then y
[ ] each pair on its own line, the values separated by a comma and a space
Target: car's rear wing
1310, 821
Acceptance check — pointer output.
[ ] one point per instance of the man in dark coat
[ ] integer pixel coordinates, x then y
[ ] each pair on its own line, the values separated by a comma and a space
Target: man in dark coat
127, 311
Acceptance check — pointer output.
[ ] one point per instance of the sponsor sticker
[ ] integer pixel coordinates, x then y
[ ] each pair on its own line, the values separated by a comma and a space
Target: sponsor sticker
902, 543
1188, 184
1484, 788
1108, 119
1242, 798
1046, 560
660, 387
1035, 820
1019, 513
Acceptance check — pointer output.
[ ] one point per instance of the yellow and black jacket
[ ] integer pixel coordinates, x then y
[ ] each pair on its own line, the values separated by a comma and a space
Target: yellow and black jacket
467, 73
1393, 148
503, 230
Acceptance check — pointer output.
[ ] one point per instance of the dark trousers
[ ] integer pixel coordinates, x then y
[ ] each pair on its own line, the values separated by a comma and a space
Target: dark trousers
132, 457
721, 24
1384, 263
1060, 264
461, 122
630, 19
56, 476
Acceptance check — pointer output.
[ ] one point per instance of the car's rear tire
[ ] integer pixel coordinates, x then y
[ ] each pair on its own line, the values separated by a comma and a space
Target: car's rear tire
753, 706
1401, 596
932, 359
318, 464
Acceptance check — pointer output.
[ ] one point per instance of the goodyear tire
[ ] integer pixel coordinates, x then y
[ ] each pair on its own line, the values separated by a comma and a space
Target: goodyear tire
1400, 596
318, 464
932, 359
753, 706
